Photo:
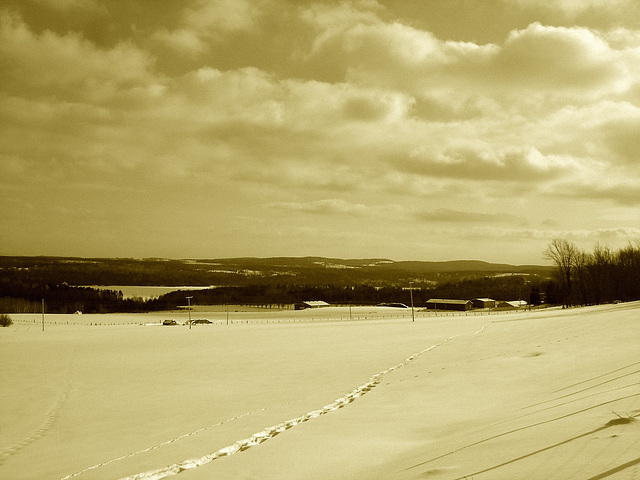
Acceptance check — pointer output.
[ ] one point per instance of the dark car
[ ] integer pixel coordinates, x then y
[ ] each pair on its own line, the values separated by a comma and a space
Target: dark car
201, 321
169, 322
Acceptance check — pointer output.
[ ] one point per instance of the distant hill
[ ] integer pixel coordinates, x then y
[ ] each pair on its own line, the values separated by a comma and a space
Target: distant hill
248, 270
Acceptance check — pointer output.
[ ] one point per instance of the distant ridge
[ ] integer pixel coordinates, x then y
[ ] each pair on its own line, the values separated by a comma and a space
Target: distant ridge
464, 265
451, 265
252, 270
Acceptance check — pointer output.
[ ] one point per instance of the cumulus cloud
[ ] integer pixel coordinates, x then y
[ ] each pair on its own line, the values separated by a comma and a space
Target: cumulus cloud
208, 21
536, 60
558, 57
517, 164
68, 65
181, 40
375, 52
225, 15
356, 116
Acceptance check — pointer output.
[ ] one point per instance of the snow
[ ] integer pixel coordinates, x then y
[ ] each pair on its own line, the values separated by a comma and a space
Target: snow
538, 395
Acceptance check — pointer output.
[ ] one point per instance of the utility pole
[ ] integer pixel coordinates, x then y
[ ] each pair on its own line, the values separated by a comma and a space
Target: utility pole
189, 307
43, 314
413, 315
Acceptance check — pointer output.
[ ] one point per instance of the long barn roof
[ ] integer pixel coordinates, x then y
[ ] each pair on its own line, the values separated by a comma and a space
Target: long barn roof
447, 301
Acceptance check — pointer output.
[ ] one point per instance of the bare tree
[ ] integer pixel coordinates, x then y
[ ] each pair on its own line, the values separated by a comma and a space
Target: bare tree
628, 272
580, 270
564, 254
600, 273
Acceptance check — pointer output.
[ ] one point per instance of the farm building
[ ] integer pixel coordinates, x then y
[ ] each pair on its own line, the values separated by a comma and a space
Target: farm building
483, 303
443, 304
512, 304
311, 304
394, 305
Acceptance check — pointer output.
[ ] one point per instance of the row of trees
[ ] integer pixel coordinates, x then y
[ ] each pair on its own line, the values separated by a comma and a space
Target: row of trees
581, 278
25, 297
512, 287
602, 276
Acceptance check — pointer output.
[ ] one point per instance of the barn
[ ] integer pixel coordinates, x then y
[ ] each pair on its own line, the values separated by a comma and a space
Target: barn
483, 303
445, 304
311, 304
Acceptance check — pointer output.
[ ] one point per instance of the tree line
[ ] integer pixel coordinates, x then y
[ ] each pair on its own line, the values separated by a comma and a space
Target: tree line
26, 297
591, 278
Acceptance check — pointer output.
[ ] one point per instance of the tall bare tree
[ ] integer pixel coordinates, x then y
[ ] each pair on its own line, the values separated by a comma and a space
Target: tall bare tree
580, 270
565, 255
600, 269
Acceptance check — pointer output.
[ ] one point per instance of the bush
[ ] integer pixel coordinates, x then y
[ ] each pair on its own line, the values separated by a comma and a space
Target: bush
5, 320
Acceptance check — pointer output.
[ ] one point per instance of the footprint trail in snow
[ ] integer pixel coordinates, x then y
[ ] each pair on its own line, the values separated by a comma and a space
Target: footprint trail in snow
269, 433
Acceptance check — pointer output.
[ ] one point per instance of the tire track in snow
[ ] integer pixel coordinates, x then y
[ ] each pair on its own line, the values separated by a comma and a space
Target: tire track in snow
519, 429
584, 389
271, 432
612, 423
597, 377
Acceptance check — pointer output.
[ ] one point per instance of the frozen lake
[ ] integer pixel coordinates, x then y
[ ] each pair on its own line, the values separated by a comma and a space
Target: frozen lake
145, 292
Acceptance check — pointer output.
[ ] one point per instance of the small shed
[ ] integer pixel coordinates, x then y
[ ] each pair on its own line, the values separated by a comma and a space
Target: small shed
446, 304
483, 303
393, 304
311, 304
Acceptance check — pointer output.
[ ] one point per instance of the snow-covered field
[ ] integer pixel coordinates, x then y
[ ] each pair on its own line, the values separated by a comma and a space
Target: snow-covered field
314, 395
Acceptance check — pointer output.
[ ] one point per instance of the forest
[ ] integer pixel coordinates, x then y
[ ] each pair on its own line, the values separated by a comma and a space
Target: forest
67, 299
510, 287
23, 296
577, 278
601, 276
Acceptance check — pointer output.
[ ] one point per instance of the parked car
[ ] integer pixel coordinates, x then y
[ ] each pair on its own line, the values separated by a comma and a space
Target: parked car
169, 322
200, 321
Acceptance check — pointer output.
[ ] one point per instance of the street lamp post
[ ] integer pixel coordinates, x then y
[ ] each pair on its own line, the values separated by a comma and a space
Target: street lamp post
189, 308
413, 316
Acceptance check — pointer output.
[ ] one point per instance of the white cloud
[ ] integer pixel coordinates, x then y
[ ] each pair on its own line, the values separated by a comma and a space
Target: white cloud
542, 57
545, 63
487, 163
379, 53
210, 16
207, 22
181, 40
48, 62
407, 129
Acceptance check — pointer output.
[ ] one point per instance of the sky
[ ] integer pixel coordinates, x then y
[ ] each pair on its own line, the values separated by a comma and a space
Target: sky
401, 129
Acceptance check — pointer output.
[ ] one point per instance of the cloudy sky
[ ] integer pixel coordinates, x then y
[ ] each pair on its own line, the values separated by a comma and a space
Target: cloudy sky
405, 129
